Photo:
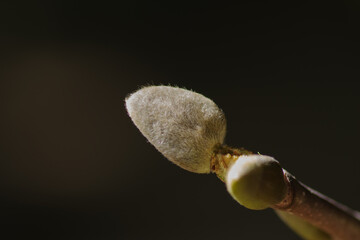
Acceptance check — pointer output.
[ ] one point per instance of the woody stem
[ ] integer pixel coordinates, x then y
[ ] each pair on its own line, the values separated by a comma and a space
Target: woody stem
337, 220
300, 205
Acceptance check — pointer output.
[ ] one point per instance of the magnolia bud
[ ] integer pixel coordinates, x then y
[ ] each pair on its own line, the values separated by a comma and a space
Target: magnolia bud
183, 125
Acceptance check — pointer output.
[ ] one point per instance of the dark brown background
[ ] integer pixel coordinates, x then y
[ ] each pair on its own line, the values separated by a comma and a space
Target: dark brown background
73, 166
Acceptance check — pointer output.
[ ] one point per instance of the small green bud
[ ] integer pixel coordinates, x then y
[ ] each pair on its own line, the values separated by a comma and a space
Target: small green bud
183, 125
256, 181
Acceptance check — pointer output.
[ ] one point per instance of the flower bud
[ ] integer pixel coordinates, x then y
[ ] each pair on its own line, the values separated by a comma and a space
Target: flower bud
183, 125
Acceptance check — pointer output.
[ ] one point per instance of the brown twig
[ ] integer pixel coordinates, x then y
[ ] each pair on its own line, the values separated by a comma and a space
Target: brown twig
325, 214
337, 220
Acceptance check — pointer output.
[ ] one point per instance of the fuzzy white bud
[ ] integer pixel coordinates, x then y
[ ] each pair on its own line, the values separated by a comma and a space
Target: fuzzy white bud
183, 125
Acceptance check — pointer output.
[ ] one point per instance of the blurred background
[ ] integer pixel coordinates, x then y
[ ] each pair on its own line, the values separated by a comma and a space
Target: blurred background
72, 164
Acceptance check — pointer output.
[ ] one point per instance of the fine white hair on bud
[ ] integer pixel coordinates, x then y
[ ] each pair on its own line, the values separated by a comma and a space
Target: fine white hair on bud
183, 125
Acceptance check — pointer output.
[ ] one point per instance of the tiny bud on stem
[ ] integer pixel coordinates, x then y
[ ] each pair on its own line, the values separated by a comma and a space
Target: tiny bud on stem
256, 181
